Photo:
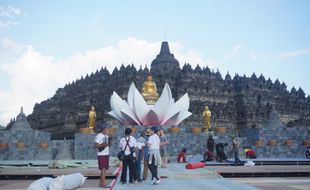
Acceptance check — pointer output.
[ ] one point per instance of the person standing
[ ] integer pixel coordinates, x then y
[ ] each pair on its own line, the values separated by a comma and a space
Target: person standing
102, 143
210, 144
209, 156
148, 133
128, 144
154, 155
140, 145
236, 145
163, 148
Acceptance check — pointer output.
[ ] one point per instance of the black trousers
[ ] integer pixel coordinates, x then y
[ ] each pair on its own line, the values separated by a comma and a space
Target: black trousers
128, 163
153, 169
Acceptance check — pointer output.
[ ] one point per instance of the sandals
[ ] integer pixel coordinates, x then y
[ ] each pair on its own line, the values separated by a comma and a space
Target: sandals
104, 186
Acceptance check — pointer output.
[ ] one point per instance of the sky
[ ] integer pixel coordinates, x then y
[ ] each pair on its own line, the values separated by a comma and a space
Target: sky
46, 44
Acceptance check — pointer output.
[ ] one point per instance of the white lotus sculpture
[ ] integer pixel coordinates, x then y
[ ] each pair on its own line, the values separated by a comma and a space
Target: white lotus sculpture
135, 111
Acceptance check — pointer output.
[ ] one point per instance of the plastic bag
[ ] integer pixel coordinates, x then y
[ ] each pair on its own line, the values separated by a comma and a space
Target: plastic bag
40, 184
57, 183
73, 181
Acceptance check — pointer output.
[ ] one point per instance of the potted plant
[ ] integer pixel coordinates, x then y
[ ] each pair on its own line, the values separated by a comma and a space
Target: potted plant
85, 130
196, 130
174, 130
133, 130
272, 143
20, 145
259, 143
112, 130
220, 129
288, 142
306, 142
3, 145
43, 145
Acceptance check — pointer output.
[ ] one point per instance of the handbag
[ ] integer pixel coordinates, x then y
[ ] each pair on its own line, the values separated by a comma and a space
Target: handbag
121, 153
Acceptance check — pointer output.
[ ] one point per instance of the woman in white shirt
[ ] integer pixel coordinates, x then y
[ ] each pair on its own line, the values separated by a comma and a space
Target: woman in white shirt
154, 155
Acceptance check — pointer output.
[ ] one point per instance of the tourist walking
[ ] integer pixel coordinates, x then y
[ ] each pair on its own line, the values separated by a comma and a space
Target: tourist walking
102, 143
163, 148
128, 144
148, 133
154, 155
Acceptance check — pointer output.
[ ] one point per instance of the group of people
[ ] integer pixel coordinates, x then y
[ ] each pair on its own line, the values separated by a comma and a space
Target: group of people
219, 148
150, 148
220, 153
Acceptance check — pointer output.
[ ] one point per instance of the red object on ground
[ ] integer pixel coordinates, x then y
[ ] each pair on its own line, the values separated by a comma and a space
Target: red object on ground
195, 165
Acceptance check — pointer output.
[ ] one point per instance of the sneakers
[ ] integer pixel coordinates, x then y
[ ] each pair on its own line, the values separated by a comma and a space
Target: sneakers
155, 181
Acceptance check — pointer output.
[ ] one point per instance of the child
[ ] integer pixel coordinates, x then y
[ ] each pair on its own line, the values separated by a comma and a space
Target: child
182, 156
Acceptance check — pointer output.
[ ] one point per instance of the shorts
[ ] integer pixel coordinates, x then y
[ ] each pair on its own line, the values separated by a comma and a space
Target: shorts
163, 152
103, 162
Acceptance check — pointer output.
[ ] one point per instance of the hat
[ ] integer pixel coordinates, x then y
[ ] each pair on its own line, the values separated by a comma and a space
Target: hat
102, 126
148, 132
155, 129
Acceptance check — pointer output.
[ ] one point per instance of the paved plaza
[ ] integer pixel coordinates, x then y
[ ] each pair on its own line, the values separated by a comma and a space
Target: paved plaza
176, 176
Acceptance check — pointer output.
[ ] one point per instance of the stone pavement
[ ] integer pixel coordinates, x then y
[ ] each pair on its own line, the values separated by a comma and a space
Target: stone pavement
180, 178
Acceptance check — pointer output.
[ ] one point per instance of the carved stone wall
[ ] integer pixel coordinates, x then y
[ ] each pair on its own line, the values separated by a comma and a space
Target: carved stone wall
239, 102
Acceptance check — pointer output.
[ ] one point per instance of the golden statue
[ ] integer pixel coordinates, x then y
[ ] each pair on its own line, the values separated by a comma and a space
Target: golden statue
149, 90
92, 119
207, 118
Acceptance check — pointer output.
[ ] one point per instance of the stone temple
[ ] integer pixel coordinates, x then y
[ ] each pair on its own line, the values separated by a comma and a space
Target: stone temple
267, 116
237, 102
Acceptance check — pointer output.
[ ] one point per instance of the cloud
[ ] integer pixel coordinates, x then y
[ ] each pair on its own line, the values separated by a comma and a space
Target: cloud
7, 24
34, 77
233, 53
296, 53
7, 16
254, 56
9, 11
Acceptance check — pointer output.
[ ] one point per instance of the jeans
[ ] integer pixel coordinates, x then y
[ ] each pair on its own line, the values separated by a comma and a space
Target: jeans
153, 169
236, 152
128, 162
138, 169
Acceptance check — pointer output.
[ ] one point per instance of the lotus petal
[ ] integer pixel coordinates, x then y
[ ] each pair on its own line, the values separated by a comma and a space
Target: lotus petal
130, 116
135, 110
140, 107
128, 120
117, 104
182, 116
181, 105
150, 119
171, 120
163, 101
130, 96
113, 114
